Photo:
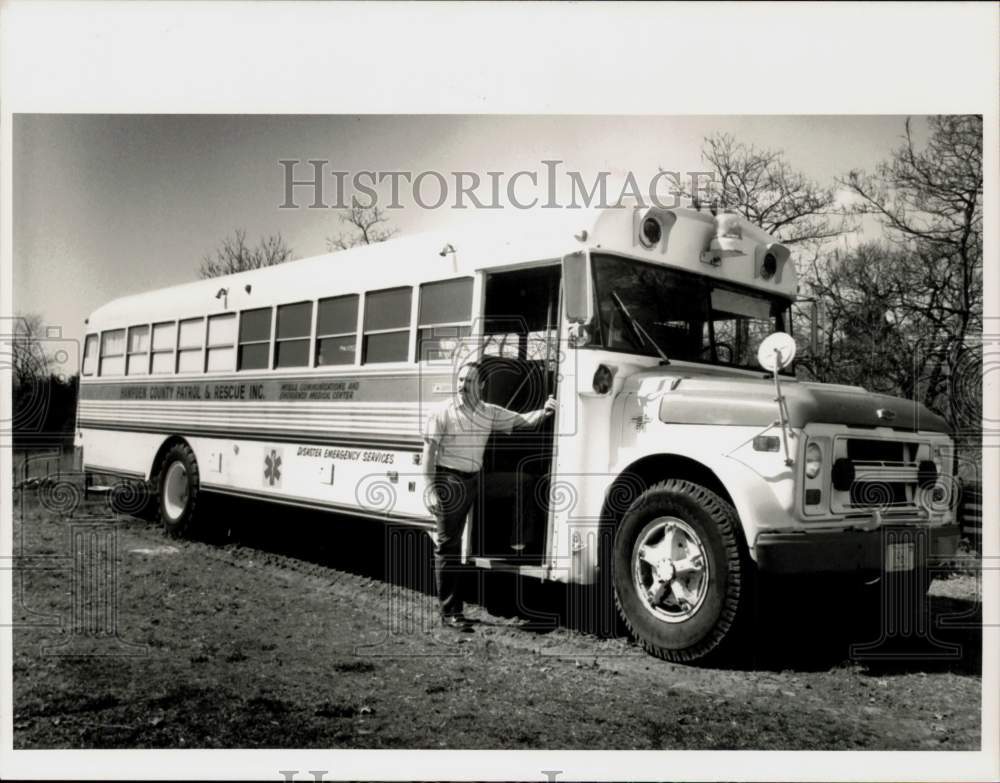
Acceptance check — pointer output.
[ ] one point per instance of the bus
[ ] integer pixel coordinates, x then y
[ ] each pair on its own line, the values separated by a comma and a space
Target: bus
684, 460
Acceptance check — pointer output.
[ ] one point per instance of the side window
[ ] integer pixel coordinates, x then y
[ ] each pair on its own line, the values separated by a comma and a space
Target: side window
221, 356
137, 362
255, 339
112, 353
163, 344
291, 346
336, 330
190, 344
444, 318
387, 326
89, 354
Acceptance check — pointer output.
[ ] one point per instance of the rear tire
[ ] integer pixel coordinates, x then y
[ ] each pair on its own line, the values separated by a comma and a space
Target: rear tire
682, 574
179, 490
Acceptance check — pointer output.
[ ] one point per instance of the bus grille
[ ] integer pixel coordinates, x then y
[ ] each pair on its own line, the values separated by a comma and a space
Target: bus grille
885, 475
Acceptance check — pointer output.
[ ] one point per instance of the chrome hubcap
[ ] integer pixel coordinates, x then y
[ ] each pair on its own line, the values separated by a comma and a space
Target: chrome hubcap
175, 491
670, 569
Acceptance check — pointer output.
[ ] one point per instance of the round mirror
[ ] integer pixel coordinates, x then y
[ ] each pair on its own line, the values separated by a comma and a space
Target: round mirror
776, 351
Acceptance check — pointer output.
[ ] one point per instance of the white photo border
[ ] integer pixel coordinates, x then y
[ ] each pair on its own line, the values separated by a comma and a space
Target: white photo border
498, 58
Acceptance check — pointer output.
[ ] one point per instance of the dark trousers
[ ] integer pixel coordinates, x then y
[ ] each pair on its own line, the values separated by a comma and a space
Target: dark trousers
456, 493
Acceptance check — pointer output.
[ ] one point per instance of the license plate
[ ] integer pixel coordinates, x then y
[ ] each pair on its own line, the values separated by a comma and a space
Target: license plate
899, 557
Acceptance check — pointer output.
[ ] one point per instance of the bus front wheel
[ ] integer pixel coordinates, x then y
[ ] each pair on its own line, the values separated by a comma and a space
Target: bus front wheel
179, 486
681, 578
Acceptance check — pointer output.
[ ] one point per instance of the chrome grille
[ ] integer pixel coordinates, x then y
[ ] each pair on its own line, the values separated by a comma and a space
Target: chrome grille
885, 475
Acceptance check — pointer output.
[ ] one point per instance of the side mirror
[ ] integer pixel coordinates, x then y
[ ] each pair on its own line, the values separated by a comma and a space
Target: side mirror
576, 288
776, 352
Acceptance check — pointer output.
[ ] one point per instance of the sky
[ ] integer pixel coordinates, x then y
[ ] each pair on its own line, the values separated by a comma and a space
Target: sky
106, 206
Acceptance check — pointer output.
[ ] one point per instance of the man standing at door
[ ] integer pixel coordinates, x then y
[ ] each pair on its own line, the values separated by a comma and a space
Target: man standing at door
454, 441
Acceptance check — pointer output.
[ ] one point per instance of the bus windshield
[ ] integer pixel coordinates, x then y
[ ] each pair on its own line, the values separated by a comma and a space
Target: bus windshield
690, 317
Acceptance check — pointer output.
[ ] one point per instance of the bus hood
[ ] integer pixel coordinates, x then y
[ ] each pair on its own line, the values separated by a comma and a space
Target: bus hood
711, 396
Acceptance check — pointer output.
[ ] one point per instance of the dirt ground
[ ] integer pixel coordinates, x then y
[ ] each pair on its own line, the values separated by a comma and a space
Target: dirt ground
304, 630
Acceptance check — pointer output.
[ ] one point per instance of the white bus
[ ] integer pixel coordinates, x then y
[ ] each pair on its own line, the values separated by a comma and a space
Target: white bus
308, 384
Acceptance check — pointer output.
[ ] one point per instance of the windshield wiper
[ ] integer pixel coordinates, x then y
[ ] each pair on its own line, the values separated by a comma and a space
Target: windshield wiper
641, 333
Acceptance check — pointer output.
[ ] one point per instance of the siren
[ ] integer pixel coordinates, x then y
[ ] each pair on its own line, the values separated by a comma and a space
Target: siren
728, 239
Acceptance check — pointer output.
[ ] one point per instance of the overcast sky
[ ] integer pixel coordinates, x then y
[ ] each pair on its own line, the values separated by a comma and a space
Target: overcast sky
111, 205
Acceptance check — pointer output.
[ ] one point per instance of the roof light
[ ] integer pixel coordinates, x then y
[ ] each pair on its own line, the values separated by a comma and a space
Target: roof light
651, 227
769, 261
769, 266
652, 232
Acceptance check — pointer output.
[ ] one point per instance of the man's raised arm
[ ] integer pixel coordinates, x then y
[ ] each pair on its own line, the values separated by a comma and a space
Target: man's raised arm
532, 419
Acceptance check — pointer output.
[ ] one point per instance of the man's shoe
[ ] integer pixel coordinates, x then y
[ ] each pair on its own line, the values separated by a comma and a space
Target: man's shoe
457, 622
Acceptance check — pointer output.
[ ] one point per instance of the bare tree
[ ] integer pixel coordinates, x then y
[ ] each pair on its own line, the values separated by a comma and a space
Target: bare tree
234, 255
368, 226
930, 204
28, 357
866, 335
760, 185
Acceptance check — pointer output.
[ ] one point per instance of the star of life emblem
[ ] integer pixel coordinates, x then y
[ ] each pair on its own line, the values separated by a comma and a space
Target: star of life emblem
272, 467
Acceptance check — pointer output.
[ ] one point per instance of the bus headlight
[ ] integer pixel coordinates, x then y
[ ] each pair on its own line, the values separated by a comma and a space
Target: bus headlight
814, 460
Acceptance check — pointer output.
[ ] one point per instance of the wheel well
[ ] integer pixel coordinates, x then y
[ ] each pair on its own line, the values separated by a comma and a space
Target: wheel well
645, 472
168, 444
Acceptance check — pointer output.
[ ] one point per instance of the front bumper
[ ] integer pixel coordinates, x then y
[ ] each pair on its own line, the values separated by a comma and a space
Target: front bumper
849, 551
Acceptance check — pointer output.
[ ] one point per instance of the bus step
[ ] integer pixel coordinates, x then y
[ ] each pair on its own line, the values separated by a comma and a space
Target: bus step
497, 564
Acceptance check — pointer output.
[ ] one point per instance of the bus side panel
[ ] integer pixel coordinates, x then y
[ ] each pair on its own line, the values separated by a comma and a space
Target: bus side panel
113, 451
371, 481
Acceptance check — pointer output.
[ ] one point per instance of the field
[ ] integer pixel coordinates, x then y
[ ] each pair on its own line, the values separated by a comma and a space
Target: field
305, 630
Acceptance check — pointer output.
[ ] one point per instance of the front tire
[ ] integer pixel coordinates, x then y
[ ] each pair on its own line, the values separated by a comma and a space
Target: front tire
179, 490
682, 576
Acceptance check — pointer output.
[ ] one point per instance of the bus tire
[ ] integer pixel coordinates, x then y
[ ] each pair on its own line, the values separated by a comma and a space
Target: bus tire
681, 573
179, 489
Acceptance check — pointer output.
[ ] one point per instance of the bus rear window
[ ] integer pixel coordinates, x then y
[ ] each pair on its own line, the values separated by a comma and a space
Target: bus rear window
89, 354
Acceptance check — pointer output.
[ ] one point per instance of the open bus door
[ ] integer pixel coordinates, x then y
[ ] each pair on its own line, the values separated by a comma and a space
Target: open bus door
519, 367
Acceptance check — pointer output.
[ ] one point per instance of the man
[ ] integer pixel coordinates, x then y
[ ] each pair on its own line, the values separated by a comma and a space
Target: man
454, 441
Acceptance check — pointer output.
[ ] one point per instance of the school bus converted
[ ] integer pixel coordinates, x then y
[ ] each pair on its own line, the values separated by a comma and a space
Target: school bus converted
308, 383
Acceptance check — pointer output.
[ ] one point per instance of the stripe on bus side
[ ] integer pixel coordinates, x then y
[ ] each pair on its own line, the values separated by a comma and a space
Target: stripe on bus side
357, 387
294, 500
401, 443
88, 467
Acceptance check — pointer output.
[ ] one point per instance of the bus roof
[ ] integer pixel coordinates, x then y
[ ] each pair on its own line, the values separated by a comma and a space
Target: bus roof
437, 255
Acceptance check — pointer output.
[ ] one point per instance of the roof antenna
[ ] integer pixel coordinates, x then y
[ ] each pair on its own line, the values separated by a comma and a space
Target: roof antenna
449, 250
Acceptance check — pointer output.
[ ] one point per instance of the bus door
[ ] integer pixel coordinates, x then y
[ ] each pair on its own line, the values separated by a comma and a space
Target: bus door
519, 368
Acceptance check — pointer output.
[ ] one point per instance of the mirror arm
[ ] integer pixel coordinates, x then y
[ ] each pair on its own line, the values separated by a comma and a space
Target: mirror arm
782, 410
